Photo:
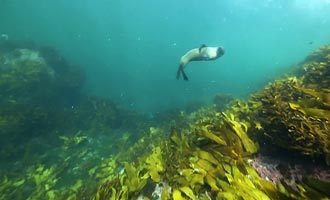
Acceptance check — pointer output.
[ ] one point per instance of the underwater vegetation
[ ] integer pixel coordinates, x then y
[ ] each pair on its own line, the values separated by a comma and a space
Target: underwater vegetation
214, 157
222, 102
41, 93
205, 161
90, 148
32, 94
294, 113
49, 127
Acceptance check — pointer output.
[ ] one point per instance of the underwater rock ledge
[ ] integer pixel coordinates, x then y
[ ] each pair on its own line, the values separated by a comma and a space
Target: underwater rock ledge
210, 158
101, 151
52, 134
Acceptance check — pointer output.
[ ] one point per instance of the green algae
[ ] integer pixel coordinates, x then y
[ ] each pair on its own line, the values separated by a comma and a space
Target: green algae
213, 158
204, 155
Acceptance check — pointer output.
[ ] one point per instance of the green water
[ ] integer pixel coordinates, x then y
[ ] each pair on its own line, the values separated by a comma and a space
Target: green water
131, 49
56, 139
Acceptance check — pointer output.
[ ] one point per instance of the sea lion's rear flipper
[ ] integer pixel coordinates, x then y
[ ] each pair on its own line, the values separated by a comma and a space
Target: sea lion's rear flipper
185, 77
178, 73
202, 46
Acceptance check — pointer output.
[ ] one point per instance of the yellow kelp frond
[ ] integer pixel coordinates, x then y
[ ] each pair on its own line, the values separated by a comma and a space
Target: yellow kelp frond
241, 129
112, 190
205, 132
206, 156
188, 192
45, 180
106, 171
177, 195
323, 97
155, 164
312, 112
134, 180
72, 141
240, 186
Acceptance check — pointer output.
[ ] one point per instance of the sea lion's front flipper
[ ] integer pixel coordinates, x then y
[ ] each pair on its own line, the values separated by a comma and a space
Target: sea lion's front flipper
202, 46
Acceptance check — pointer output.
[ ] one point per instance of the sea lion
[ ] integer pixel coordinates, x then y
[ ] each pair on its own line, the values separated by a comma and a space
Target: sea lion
203, 53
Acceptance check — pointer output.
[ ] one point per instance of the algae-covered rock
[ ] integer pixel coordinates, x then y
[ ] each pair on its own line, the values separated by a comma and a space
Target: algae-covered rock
222, 102
294, 113
25, 78
33, 99
200, 155
206, 158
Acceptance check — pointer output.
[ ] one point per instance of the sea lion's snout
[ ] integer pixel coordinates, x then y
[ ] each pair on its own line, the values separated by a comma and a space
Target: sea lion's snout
220, 51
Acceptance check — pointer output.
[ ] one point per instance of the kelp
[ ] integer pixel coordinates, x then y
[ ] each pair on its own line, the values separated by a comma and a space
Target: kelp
318, 185
210, 155
202, 155
33, 99
295, 113
155, 165
241, 129
295, 110
198, 169
72, 141
134, 180
204, 131
321, 96
311, 112
42, 108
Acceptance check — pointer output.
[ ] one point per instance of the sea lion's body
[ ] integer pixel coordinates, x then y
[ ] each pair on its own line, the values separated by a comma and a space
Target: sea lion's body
203, 53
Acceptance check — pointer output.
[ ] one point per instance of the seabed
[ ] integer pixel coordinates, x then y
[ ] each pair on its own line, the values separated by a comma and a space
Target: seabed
59, 143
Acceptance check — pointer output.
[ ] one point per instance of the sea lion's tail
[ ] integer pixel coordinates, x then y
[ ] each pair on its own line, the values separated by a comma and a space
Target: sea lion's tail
180, 70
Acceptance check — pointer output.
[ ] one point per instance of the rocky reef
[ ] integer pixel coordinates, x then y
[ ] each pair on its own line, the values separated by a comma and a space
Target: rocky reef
42, 93
273, 145
34, 92
45, 118
294, 112
224, 153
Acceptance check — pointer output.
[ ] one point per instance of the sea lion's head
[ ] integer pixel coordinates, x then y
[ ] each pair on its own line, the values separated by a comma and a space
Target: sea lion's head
220, 51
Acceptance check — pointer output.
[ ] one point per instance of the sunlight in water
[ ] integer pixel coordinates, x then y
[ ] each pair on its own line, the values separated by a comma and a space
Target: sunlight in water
315, 5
